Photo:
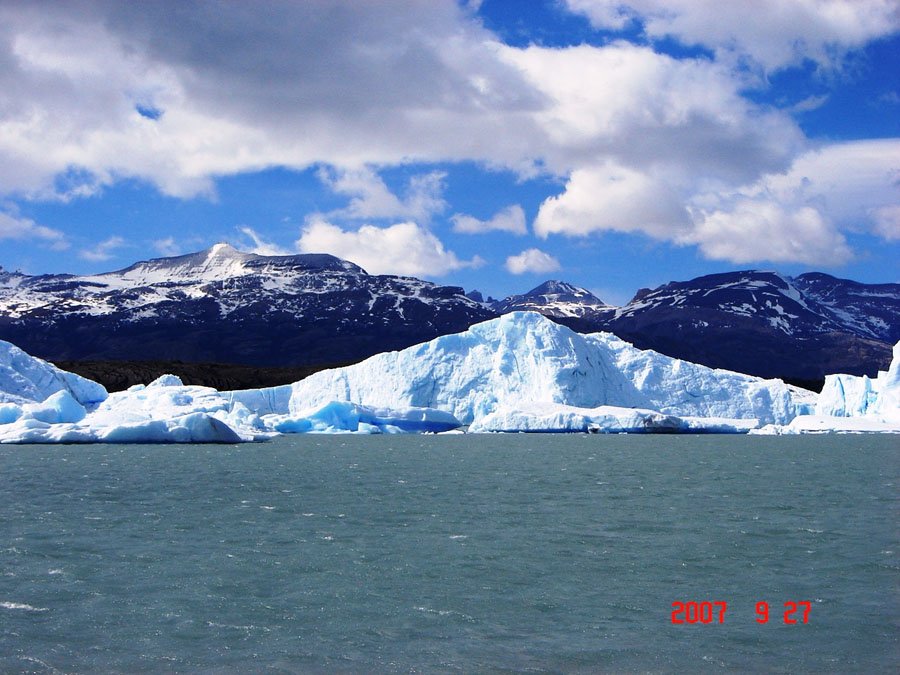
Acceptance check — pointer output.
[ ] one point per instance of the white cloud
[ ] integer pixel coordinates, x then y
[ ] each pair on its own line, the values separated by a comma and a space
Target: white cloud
887, 222
105, 250
642, 138
404, 248
757, 229
848, 181
510, 219
774, 33
637, 108
371, 198
24, 229
260, 245
167, 247
288, 84
348, 84
809, 104
614, 198
799, 215
531, 260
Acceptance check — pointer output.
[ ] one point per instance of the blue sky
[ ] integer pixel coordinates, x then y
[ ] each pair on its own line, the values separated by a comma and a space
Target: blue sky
492, 145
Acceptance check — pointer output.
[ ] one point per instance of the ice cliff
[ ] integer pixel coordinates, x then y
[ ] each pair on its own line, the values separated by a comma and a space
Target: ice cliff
523, 358
849, 403
520, 372
25, 379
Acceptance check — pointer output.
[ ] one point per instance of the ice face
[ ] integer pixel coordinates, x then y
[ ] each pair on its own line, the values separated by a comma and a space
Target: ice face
24, 378
523, 358
851, 396
520, 372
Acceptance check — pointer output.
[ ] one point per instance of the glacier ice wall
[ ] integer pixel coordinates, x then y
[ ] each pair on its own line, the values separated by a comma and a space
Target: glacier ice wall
851, 396
522, 358
520, 372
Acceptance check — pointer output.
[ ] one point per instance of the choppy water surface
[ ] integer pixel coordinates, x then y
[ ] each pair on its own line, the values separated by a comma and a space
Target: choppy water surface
451, 553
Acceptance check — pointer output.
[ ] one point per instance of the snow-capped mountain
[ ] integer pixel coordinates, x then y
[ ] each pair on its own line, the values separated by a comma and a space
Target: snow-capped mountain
554, 299
225, 305
756, 322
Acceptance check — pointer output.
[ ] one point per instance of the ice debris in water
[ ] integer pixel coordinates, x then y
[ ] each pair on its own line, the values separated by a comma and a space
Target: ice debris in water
520, 372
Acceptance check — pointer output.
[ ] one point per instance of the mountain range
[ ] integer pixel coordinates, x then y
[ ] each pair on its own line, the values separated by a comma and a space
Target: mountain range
223, 305
281, 313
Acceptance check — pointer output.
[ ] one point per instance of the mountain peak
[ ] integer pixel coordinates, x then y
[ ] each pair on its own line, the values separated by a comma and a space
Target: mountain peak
556, 287
554, 298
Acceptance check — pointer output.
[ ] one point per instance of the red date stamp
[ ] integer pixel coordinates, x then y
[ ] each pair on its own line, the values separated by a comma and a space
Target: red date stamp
714, 612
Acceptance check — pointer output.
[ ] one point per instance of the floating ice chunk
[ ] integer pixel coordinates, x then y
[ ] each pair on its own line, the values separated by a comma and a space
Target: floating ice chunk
849, 403
555, 418
826, 424
192, 428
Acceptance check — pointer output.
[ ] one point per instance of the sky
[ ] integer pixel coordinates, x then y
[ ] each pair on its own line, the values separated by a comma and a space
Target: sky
613, 144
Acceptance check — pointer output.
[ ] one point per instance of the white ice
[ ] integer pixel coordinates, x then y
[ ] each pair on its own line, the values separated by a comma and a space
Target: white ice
852, 404
520, 372
522, 359
26, 379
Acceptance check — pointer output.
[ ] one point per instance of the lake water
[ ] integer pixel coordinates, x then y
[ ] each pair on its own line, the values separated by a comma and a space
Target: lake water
557, 553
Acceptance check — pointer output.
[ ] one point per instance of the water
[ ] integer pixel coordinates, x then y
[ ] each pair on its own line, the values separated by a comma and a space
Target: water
559, 553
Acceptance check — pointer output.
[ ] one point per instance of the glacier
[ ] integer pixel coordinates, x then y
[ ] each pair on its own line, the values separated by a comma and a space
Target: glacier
519, 372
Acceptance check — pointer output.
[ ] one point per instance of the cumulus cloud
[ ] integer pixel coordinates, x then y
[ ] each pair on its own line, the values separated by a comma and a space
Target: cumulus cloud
100, 91
886, 222
510, 219
614, 198
802, 213
371, 198
757, 229
240, 89
773, 33
531, 260
797, 215
345, 84
631, 105
105, 250
25, 229
404, 248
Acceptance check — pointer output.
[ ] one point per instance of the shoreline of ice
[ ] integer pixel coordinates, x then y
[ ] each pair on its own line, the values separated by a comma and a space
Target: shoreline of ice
519, 372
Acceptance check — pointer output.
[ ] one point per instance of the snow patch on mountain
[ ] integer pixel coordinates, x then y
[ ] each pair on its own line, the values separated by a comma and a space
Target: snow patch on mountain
554, 298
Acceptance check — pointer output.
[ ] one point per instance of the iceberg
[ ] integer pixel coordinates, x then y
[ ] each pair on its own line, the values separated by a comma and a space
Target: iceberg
851, 404
164, 411
523, 358
520, 372
341, 416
